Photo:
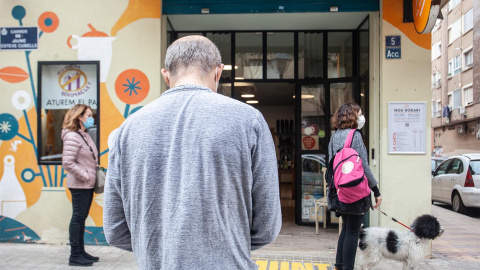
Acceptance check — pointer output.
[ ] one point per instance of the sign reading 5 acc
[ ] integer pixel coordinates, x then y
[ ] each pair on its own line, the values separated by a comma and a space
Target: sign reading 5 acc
393, 48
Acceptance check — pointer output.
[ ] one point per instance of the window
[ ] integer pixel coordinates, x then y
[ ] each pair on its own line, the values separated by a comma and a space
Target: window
454, 31
436, 50
453, 3
340, 54
248, 56
442, 168
457, 99
436, 80
456, 166
468, 21
468, 56
468, 95
434, 108
454, 65
474, 167
439, 108
63, 85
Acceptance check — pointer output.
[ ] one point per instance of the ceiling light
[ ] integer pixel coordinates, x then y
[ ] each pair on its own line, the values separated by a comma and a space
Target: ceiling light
229, 67
205, 10
306, 96
248, 95
239, 78
333, 9
252, 101
362, 94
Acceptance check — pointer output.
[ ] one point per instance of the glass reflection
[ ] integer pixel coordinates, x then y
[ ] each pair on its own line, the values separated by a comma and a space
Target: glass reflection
312, 185
248, 56
313, 117
340, 54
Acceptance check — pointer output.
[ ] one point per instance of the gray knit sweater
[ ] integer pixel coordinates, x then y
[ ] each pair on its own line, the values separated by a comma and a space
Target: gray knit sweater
336, 143
192, 183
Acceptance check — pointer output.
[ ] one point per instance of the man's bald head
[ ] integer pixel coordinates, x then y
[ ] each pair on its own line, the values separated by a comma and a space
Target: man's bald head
192, 51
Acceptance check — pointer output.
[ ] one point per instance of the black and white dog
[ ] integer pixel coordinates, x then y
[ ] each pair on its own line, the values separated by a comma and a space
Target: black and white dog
377, 244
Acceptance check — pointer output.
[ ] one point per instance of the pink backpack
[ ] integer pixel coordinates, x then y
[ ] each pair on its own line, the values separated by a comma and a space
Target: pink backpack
348, 175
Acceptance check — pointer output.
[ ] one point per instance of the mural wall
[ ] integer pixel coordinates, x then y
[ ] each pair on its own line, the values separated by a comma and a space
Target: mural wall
124, 35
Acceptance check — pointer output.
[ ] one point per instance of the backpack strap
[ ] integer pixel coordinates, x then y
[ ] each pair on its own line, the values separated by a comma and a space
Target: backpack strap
349, 139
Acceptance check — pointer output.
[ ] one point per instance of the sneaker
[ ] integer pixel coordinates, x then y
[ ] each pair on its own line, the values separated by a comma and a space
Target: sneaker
90, 257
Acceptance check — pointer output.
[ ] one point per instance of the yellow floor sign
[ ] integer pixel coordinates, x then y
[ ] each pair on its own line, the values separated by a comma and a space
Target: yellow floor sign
280, 265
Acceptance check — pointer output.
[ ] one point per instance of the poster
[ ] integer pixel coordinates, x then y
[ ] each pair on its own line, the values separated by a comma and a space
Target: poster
64, 86
407, 127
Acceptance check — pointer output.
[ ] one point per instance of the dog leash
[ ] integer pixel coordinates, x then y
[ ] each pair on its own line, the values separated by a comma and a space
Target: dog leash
394, 219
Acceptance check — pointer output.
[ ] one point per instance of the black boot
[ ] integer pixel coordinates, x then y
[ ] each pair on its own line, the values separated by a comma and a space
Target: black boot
79, 261
90, 257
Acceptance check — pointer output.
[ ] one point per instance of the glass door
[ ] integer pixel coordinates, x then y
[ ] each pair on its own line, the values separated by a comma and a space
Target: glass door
312, 148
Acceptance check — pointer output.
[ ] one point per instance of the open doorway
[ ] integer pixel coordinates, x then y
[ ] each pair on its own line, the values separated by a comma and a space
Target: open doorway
276, 102
322, 68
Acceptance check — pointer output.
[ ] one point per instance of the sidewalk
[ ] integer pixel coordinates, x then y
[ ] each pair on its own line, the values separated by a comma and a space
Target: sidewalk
458, 248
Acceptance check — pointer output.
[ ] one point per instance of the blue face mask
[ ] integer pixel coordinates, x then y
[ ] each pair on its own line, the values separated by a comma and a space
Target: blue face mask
89, 123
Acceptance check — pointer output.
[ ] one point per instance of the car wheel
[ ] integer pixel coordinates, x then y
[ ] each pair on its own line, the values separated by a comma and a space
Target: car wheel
458, 205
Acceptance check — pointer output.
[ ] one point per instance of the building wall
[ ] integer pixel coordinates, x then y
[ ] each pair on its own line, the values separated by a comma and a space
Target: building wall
44, 209
449, 138
476, 52
405, 79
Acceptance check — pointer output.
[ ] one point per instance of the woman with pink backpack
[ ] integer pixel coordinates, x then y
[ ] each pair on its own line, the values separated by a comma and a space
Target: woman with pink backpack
350, 180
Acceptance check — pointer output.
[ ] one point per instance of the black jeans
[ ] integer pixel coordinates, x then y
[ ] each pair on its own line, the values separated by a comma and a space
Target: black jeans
81, 202
348, 241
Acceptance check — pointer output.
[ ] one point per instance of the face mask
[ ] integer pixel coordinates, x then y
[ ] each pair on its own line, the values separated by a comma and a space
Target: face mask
361, 121
89, 123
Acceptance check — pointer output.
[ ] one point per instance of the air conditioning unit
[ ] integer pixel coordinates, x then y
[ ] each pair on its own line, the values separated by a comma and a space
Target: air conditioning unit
461, 110
461, 129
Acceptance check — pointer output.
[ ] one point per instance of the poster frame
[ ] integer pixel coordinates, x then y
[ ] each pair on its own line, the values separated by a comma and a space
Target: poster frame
40, 110
423, 126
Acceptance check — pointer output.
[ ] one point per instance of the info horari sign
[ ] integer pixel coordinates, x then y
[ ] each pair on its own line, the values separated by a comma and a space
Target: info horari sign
407, 127
19, 38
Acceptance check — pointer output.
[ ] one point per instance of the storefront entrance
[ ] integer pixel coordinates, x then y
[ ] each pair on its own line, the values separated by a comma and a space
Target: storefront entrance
297, 79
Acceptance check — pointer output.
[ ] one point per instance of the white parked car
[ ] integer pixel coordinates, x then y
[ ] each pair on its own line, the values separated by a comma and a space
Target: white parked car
456, 181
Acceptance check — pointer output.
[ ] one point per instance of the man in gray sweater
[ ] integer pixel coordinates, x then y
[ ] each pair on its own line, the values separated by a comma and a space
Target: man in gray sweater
192, 178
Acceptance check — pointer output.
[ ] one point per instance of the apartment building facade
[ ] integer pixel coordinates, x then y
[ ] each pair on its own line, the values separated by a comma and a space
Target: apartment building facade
455, 79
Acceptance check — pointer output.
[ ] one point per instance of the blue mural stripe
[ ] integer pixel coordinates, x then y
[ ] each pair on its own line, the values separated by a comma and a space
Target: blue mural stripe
49, 175
25, 138
56, 170
40, 34
127, 111
104, 152
34, 146
27, 55
62, 175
